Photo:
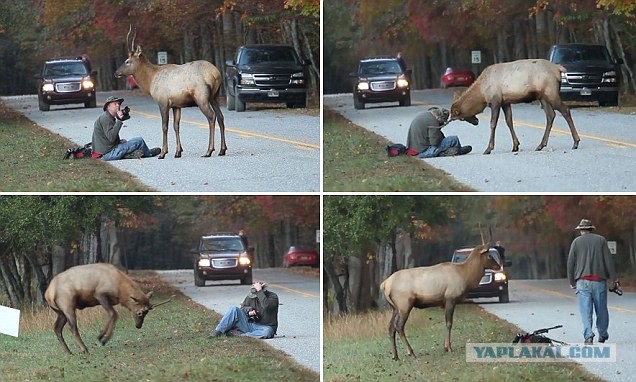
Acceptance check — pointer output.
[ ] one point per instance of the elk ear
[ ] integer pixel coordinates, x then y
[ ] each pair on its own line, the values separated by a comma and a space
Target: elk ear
149, 295
138, 51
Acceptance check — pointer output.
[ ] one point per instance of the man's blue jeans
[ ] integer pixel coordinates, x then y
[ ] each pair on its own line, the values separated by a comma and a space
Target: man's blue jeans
592, 295
129, 146
445, 144
236, 318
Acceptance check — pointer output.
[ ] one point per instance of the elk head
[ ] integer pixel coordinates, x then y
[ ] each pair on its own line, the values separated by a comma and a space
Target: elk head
140, 307
133, 62
459, 110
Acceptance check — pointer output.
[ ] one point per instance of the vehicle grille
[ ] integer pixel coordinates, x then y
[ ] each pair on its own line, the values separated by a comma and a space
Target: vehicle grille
224, 263
487, 279
67, 87
271, 80
382, 86
584, 79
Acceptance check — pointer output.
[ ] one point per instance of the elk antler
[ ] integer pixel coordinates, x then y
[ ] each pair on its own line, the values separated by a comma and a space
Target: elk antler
161, 303
483, 242
132, 46
128, 38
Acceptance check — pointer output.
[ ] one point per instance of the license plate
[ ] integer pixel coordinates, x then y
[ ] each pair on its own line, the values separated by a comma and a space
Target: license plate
304, 258
384, 85
225, 263
273, 93
586, 92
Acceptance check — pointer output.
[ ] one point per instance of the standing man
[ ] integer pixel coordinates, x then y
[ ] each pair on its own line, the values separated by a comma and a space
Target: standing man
426, 138
590, 267
107, 144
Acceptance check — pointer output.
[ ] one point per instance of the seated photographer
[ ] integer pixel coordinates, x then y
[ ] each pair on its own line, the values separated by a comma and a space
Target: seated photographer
106, 142
256, 317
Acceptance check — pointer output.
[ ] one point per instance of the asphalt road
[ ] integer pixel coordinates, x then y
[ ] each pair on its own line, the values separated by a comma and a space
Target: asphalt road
270, 149
298, 314
604, 161
537, 304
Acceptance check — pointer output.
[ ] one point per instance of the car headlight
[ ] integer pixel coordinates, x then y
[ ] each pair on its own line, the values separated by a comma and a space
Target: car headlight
247, 79
609, 76
204, 262
298, 75
564, 78
244, 260
499, 276
47, 87
402, 83
363, 86
87, 84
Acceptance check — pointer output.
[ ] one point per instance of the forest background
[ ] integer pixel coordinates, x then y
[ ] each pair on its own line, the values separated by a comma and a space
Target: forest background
435, 34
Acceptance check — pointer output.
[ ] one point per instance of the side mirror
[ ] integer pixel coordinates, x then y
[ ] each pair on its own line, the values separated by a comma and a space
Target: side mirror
230, 63
619, 61
306, 62
507, 263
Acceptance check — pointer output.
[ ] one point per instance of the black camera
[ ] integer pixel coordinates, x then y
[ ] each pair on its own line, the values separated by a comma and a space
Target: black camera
255, 317
125, 113
617, 289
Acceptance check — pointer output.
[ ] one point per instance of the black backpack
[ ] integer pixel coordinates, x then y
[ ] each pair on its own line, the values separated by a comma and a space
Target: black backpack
85, 151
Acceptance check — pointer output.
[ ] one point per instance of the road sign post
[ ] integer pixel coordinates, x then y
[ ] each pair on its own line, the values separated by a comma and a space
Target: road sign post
612, 247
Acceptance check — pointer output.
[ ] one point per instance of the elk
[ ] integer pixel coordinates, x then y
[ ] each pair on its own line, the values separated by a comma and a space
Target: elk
443, 284
89, 285
196, 83
504, 84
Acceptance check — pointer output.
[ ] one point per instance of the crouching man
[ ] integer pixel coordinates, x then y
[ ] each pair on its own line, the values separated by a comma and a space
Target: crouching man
426, 140
106, 142
256, 317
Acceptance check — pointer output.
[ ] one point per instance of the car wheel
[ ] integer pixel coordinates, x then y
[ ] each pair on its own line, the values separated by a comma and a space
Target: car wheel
91, 104
406, 101
231, 105
358, 104
504, 296
198, 281
43, 105
240, 105
611, 100
247, 280
290, 105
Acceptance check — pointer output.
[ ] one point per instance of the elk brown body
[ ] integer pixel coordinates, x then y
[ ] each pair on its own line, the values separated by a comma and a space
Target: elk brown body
443, 285
196, 83
504, 84
89, 285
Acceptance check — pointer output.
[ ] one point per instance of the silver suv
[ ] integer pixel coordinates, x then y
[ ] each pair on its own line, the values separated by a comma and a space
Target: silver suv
222, 256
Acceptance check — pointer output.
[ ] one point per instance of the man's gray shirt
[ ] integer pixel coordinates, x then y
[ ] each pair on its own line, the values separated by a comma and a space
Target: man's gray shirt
106, 133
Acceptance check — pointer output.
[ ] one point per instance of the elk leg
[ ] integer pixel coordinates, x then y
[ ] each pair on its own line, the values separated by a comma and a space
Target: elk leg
549, 116
57, 328
210, 114
565, 112
107, 332
494, 107
392, 331
72, 324
176, 113
221, 119
165, 118
507, 108
449, 311
401, 321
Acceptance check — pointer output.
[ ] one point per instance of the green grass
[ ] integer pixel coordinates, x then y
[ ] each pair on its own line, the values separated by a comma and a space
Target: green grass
356, 160
31, 160
357, 348
171, 346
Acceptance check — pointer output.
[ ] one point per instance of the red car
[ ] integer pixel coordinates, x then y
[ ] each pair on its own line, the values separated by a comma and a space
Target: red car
301, 256
456, 77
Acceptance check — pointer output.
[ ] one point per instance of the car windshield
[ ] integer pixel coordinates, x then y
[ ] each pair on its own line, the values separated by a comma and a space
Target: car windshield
460, 257
371, 68
65, 69
270, 55
587, 54
223, 244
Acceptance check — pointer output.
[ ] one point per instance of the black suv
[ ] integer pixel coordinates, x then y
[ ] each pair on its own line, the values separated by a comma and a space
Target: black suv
381, 79
266, 73
64, 81
591, 75
222, 256
493, 283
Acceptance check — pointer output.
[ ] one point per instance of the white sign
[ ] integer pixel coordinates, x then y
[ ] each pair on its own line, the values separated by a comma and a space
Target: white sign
9, 321
612, 247
162, 58
317, 236
475, 56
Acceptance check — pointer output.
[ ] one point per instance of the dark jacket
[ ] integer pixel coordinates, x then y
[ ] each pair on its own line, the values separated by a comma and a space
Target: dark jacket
590, 255
266, 305
424, 131
106, 133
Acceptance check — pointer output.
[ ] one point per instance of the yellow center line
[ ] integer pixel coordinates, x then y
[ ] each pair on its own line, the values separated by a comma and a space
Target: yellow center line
240, 132
555, 130
561, 294
304, 294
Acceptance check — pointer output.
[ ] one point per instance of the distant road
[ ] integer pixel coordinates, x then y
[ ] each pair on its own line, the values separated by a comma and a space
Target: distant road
537, 304
298, 315
604, 162
269, 149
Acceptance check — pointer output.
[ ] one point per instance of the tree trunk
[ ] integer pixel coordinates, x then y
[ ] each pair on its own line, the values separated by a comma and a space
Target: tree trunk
340, 298
355, 266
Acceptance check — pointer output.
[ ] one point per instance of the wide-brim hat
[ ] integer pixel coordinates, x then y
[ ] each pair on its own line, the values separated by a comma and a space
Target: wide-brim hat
112, 99
585, 224
442, 114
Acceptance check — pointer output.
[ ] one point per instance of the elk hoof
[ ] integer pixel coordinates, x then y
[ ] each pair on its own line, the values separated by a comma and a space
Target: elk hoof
487, 152
515, 149
222, 153
575, 146
177, 155
539, 148
161, 156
